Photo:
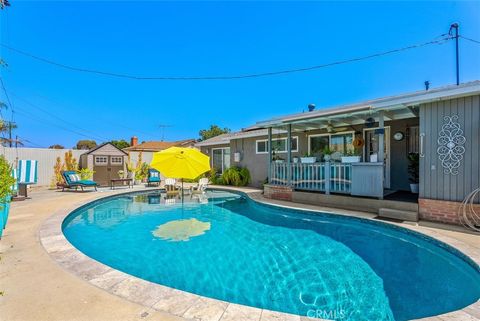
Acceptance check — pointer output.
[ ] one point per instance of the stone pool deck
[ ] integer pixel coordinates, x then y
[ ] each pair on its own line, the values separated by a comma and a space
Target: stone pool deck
43, 277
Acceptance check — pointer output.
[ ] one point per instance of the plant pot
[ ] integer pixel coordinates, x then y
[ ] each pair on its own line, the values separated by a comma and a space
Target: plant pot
327, 158
4, 210
414, 188
308, 160
350, 159
295, 160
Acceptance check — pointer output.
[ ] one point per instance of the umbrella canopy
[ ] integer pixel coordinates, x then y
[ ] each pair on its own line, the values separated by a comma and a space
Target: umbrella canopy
177, 162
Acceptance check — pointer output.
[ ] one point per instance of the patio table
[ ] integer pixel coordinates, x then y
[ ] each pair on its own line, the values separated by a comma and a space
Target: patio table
129, 181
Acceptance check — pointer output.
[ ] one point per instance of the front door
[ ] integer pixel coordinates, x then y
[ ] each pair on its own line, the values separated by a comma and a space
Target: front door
371, 137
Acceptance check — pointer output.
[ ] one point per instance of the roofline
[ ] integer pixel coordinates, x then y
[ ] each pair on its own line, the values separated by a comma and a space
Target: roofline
101, 145
238, 135
404, 100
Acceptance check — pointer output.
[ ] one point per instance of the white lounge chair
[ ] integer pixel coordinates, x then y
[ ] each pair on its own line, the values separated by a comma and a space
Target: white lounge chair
201, 186
171, 187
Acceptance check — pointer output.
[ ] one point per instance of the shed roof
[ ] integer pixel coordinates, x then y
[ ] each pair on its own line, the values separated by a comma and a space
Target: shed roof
103, 145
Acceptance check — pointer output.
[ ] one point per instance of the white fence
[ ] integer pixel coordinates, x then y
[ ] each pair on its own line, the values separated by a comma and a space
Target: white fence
46, 159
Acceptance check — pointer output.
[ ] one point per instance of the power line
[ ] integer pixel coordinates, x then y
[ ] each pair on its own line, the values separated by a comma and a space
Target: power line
245, 76
43, 121
470, 39
62, 120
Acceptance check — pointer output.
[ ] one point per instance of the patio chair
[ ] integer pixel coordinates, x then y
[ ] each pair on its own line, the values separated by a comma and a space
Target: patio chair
153, 177
171, 187
72, 180
201, 186
27, 175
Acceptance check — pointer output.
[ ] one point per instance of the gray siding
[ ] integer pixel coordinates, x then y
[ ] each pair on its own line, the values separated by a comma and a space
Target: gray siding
434, 183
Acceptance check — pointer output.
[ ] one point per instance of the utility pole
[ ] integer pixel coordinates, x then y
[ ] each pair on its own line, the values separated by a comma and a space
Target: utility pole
162, 127
456, 26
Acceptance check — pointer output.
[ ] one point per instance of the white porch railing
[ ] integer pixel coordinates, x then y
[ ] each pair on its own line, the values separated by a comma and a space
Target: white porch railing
325, 177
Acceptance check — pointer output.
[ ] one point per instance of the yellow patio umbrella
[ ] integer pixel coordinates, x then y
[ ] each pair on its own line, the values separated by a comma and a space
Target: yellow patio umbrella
178, 162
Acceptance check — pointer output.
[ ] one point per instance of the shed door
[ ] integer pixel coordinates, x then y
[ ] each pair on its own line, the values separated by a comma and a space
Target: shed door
100, 166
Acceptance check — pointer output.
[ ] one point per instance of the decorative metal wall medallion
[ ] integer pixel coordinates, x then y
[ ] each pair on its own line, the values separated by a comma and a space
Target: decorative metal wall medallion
451, 141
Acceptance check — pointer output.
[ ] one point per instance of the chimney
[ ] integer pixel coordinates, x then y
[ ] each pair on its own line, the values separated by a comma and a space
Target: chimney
134, 141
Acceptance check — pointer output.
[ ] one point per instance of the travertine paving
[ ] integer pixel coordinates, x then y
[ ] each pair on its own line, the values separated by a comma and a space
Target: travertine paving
45, 278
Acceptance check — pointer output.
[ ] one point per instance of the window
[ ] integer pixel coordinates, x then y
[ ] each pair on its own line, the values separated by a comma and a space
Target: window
101, 160
220, 159
279, 145
341, 142
116, 160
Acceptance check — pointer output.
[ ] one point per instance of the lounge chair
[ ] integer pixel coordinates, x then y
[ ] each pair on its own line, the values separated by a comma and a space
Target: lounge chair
27, 175
171, 187
153, 177
72, 180
201, 186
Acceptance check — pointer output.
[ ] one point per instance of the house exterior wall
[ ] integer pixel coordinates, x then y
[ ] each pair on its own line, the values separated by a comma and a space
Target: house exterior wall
258, 166
434, 183
440, 192
46, 158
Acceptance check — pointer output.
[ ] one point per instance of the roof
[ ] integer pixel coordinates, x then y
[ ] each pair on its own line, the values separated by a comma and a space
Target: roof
394, 105
155, 146
225, 138
102, 145
385, 103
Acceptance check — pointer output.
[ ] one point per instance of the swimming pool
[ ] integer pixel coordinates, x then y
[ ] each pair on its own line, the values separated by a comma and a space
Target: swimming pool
314, 264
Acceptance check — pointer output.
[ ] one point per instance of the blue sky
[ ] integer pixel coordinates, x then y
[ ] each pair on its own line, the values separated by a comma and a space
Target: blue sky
215, 38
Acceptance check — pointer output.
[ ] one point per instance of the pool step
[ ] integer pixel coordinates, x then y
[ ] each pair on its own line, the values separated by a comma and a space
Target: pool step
398, 214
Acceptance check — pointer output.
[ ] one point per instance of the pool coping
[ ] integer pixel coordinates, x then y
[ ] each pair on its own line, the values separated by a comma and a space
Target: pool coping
192, 306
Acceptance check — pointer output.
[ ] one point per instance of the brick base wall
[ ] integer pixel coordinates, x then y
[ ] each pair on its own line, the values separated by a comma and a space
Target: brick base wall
440, 211
283, 193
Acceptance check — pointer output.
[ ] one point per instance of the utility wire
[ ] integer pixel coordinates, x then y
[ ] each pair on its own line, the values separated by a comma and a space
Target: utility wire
470, 39
254, 75
62, 120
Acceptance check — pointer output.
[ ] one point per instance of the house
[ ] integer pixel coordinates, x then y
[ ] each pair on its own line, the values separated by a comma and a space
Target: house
146, 149
439, 125
106, 161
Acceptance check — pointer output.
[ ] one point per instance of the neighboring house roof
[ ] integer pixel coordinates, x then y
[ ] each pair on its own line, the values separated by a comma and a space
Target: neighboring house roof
103, 145
155, 146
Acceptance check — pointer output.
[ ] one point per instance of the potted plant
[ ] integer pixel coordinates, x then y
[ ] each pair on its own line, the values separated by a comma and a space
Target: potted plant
277, 159
413, 171
6, 183
351, 156
308, 158
327, 153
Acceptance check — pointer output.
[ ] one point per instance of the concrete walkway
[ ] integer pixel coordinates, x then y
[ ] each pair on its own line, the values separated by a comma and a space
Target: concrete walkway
37, 288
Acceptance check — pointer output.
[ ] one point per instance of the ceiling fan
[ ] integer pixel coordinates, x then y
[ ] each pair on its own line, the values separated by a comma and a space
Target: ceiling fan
332, 130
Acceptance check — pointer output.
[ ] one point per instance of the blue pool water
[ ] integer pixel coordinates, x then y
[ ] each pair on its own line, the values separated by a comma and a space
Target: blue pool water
234, 249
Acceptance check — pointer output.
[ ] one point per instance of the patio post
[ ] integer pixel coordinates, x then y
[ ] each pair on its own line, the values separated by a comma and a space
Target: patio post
381, 137
269, 176
289, 155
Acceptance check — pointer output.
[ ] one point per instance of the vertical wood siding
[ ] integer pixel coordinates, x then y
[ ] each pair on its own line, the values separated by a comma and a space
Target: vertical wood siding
46, 159
434, 183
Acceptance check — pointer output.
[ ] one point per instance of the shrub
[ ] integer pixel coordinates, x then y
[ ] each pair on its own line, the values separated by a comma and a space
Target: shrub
6, 179
236, 176
86, 173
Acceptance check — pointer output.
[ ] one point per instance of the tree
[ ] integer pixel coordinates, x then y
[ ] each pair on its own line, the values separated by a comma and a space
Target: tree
70, 161
120, 144
57, 146
213, 131
4, 3
86, 144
